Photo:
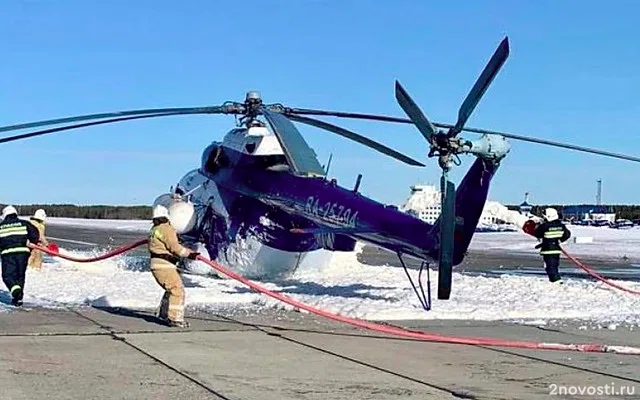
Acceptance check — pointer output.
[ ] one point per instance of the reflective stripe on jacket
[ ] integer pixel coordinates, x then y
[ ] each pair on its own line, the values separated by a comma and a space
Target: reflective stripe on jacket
163, 245
15, 234
552, 234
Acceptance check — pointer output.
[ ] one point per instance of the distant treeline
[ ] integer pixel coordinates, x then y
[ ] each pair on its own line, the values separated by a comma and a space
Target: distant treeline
92, 212
630, 212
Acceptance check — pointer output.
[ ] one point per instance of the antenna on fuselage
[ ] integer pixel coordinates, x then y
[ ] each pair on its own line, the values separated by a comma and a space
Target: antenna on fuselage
326, 170
358, 180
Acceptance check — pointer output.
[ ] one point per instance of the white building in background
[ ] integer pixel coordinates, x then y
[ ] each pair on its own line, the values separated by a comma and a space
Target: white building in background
424, 202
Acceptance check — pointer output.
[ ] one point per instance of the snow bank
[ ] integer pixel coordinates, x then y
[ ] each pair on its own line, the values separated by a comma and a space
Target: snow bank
345, 286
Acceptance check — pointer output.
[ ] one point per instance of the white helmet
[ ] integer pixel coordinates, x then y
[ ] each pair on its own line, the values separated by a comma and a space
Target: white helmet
8, 210
550, 214
40, 214
160, 211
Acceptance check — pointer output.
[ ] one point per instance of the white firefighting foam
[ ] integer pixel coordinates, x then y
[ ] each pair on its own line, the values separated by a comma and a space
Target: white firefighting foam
353, 289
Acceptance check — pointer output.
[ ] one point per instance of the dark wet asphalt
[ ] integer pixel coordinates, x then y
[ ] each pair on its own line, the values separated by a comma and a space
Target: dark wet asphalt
493, 263
76, 238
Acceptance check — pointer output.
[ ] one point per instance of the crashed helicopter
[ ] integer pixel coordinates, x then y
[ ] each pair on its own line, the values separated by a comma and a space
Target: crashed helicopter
261, 199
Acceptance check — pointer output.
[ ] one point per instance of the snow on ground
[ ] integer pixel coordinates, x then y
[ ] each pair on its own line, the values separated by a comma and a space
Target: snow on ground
345, 286
607, 242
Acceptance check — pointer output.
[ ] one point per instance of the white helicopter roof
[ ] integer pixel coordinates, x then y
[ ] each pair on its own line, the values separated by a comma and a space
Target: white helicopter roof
255, 141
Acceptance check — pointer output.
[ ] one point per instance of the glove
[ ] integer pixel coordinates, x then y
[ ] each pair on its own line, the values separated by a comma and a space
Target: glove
193, 255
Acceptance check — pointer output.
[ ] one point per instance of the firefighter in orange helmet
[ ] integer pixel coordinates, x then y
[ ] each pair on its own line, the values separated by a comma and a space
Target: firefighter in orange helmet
165, 251
35, 259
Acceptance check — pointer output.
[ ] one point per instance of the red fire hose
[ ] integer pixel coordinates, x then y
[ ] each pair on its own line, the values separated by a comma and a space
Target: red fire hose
595, 275
52, 249
393, 330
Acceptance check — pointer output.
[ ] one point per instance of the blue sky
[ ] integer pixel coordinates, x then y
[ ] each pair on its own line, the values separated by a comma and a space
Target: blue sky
572, 76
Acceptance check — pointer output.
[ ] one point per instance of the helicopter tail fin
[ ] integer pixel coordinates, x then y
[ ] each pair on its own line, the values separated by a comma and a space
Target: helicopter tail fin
470, 201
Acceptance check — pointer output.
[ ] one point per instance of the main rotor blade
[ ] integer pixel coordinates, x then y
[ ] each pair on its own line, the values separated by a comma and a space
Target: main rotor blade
385, 118
341, 114
415, 114
551, 143
301, 157
57, 121
85, 124
482, 84
357, 138
447, 229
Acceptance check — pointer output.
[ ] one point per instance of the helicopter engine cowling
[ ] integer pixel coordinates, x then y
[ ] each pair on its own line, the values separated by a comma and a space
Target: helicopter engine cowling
182, 213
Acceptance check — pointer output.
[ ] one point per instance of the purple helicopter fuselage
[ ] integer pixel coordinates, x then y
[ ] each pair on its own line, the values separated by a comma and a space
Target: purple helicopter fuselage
302, 214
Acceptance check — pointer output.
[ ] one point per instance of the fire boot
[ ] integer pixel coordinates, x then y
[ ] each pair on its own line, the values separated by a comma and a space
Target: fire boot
177, 324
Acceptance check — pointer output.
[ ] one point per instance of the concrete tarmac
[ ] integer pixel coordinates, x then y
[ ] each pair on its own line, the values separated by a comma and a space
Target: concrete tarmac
91, 353
101, 353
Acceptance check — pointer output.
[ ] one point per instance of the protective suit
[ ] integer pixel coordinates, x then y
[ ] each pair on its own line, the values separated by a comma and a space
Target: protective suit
552, 232
35, 260
165, 251
15, 235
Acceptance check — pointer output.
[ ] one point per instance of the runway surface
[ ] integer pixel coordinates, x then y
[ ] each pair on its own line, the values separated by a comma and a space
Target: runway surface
486, 263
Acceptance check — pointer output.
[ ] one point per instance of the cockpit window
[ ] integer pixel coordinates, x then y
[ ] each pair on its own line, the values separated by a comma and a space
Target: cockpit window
215, 160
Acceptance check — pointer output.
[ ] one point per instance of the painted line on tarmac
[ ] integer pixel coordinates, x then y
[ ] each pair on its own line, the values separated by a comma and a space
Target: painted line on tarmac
73, 241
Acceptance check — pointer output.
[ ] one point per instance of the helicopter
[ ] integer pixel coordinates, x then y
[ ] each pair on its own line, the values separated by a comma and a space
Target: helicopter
262, 196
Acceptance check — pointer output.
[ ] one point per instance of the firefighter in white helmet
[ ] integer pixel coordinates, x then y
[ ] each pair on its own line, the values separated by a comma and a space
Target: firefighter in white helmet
165, 251
551, 232
15, 235
37, 220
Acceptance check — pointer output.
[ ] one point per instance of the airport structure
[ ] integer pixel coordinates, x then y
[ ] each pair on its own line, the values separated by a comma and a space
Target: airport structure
424, 202
589, 212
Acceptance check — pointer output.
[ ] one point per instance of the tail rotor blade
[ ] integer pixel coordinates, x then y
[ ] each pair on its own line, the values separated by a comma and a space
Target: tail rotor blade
414, 113
482, 84
447, 227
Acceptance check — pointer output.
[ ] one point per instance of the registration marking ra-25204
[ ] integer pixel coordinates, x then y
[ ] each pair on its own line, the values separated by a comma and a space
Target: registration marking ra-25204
331, 211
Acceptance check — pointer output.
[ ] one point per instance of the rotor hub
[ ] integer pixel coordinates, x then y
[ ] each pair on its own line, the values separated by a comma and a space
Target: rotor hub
253, 96
252, 105
445, 147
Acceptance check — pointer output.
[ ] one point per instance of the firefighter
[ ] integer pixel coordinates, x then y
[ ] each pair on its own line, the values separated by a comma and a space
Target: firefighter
35, 260
165, 251
15, 234
552, 232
